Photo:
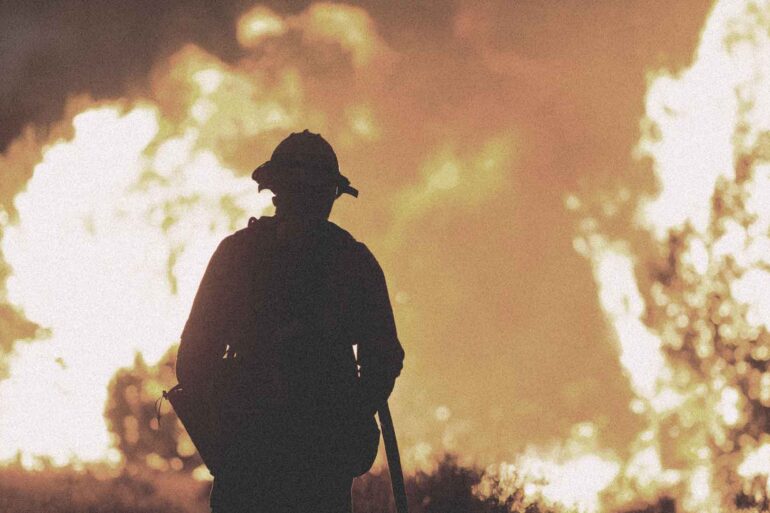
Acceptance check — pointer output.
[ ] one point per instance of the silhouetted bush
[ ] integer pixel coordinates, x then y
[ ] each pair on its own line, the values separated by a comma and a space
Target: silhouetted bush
447, 489
131, 417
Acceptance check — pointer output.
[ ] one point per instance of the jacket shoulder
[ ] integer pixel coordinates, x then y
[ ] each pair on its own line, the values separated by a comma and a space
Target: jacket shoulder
354, 253
339, 235
243, 239
345, 240
256, 226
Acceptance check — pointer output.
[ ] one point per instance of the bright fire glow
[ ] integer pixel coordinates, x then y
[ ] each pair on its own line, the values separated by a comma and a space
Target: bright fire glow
706, 133
119, 219
350, 27
571, 475
91, 263
258, 24
122, 214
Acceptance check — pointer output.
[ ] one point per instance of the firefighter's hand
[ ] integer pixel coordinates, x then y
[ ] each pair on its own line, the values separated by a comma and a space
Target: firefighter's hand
374, 391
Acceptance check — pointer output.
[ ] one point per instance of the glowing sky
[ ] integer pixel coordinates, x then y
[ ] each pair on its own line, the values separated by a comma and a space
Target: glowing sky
475, 134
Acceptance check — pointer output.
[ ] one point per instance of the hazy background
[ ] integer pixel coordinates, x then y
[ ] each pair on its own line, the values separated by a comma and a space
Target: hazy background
496, 311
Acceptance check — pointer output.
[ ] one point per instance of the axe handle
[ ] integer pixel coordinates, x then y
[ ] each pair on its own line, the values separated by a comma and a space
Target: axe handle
394, 459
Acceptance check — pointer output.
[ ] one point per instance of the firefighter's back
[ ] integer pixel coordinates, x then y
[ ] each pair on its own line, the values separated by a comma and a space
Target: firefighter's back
286, 299
298, 369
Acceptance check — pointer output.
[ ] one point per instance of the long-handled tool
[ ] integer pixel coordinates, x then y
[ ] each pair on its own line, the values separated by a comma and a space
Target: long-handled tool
394, 459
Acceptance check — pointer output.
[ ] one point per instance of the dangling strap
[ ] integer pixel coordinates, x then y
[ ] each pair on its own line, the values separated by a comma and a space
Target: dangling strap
158, 405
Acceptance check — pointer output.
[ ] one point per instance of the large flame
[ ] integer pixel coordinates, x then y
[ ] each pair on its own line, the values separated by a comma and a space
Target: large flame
119, 234
690, 311
685, 289
128, 199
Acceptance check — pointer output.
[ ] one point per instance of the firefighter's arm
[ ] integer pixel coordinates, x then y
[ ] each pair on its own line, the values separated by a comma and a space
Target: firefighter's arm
380, 354
203, 339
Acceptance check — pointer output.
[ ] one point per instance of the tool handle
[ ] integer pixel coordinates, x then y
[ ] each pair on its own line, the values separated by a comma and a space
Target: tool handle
394, 459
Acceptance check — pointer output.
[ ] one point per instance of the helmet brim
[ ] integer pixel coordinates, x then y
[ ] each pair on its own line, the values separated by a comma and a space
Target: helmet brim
265, 175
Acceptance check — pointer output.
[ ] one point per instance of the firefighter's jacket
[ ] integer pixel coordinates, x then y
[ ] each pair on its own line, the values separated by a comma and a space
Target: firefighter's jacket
291, 300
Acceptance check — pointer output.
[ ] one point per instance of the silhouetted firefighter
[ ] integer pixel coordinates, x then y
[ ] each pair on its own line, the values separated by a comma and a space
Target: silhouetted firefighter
271, 391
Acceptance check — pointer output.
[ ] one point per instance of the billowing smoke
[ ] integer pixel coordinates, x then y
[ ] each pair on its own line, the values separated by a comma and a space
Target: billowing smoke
464, 126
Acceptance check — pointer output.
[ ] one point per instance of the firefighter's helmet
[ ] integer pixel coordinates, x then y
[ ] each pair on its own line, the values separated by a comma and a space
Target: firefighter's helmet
303, 158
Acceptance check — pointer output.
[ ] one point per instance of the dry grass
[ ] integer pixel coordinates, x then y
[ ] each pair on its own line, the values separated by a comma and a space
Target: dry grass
70, 491
448, 489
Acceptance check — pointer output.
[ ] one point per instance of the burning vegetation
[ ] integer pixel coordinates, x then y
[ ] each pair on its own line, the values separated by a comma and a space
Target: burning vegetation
109, 217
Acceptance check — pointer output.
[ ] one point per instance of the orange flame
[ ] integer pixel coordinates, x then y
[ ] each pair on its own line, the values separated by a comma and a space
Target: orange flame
170, 171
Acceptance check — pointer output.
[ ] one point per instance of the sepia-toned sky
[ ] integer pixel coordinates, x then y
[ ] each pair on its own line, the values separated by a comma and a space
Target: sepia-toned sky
487, 116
